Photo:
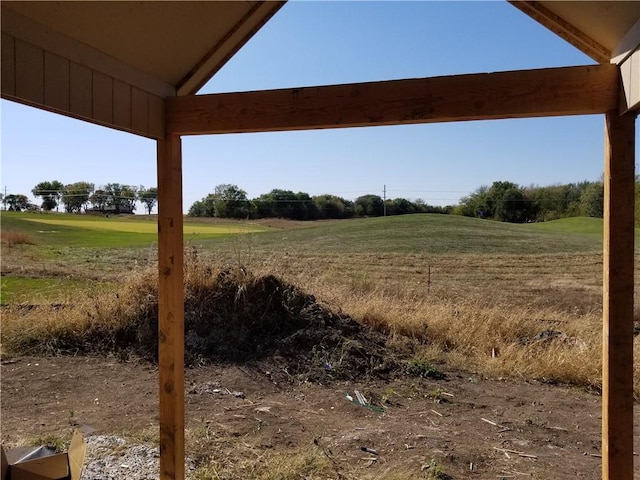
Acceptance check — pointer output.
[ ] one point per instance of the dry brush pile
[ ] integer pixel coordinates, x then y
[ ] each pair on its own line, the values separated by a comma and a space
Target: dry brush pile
231, 315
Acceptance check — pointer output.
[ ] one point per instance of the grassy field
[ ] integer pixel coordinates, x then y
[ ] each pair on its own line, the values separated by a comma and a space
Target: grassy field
109, 232
477, 294
434, 234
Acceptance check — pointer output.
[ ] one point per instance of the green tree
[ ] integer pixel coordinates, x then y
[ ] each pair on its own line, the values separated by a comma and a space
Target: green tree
121, 198
230, 201
17, 202
50, 192
592, 200
149, 197
400, 206
280, 203
99, 199
511, 206
549, 201
369, 206
331, 206
306, 208
129, 198
203, 208
572, 198
476, 204
75, 196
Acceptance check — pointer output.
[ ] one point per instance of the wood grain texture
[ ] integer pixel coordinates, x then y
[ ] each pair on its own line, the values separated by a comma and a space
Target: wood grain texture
56, 82
618, 283
156, 116
122, 104
171, 308
29, 72
8, 65
515, 94
139, 110
563, 29
81, 91
102, 98
235, 38
39, 35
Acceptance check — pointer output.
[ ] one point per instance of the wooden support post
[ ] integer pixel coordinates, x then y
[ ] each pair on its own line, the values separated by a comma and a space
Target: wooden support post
171, 308
617, 358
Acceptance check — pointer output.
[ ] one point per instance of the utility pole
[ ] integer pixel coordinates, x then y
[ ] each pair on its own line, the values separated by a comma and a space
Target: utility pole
384, 199
4, 198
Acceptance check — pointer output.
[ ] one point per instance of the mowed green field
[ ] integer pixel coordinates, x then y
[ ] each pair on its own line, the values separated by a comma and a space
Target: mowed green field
407, 233
429, 234
93, 231
72, 252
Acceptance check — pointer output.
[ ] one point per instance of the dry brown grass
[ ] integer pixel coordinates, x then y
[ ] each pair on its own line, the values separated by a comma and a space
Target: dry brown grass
250, 461
11, 238
476, 313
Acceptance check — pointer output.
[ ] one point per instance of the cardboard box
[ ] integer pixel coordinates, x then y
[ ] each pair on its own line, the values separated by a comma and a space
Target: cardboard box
41, 463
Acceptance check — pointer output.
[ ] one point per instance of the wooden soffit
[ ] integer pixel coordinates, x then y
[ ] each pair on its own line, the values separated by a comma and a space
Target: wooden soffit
603, 30
114, 63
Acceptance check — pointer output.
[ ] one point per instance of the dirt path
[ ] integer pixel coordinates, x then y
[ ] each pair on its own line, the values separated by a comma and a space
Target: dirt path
469, 426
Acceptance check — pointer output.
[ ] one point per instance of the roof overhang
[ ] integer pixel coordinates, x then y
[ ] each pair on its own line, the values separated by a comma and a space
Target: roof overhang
606, 31
115, 62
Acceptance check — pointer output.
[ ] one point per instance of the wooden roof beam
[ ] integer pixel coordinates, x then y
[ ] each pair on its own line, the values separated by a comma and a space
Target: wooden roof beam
237, 36
516, 94
564, 29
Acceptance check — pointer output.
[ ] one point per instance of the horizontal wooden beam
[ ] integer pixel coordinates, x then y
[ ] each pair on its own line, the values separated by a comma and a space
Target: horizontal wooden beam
563, 29
516, 94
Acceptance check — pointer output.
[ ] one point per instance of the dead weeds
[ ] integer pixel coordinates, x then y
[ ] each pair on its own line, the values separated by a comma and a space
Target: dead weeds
231, 315
11, 238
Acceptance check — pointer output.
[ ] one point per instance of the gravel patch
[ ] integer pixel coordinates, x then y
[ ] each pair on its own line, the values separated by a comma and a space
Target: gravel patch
114, 458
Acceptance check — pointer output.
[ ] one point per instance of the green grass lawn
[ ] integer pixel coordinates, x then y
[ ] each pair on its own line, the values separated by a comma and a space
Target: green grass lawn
40, 290
432, 234
573, 225
424, 233
93, 231
89, 249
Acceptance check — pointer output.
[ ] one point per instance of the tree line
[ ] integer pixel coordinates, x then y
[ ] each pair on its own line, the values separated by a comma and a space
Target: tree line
230, 201
509, 202
503, 201
84, 196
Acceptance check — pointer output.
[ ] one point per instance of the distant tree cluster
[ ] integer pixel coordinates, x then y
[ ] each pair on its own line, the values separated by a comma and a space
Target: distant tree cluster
18, 203
504, 201
508, 202
230, 201
84, 196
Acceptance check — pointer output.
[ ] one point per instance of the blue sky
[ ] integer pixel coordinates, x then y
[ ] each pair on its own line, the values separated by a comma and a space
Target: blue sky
321, 42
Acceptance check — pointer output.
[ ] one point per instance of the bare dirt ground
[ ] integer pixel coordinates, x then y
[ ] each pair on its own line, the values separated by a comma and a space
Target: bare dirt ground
464, 425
